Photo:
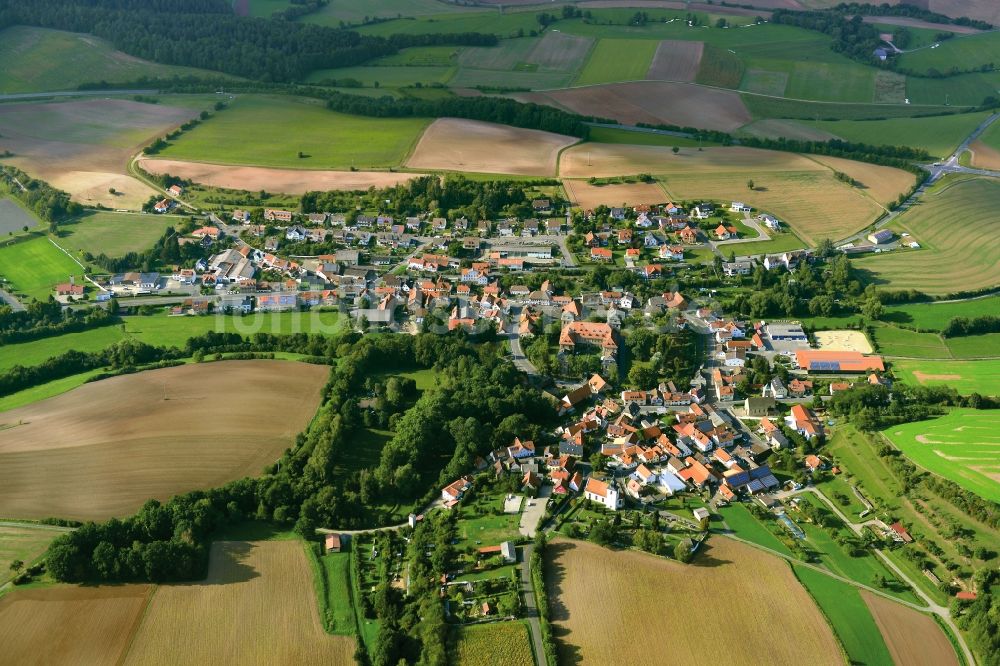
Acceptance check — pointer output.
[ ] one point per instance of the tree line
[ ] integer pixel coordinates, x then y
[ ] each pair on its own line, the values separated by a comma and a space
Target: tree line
46, 319
453, 196
255, 48
962, 326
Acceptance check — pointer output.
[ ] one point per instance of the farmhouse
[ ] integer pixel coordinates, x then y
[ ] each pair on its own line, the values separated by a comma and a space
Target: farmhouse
815, 360
162, 206
69, 289
332, 543
603, 493
456, 489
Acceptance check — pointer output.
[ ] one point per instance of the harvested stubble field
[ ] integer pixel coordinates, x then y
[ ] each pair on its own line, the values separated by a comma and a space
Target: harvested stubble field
584, 195
947, 222
588, 585
450, 144
652, 102
103, 449
258, 600
83, 147
843, 341
883, 184
796, 188
913, 638
288, 181
676, 60
774, 128
71, 625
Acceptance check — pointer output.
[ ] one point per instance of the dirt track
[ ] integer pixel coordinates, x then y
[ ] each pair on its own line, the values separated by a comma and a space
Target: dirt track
103, 449
288, 181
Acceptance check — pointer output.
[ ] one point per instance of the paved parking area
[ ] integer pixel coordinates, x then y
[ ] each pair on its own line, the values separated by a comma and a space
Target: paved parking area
534, 509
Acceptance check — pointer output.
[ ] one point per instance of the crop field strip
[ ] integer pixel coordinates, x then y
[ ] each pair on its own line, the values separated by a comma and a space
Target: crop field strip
947, 222
763, 593
616, 60
847, 614
494, 644
117, 462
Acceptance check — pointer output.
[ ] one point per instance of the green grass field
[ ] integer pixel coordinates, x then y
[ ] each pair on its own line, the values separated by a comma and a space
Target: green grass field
849, 616
37, 59
353, 12
935, 316
746, 526
271, 131
114, 234
508, 24
905, 343
966, 377
161, 330
48, 390
336, 584
35, 266
780, 242
939, 135
946, 222
24, 544
961, 52
963, 446
615, 60
962, 90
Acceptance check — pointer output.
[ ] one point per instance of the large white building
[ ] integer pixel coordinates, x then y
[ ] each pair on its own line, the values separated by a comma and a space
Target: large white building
603, 493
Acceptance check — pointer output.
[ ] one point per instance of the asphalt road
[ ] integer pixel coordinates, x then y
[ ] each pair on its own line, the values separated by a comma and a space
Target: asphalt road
530, 605
74, 93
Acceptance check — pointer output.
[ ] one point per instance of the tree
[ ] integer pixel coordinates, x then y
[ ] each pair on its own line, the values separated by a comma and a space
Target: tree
675, 150
872, 307
16, 566
682, 551
750, 184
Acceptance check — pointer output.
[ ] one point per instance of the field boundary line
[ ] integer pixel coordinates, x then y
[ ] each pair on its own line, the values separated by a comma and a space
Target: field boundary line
137, 624
829, 622
78, 263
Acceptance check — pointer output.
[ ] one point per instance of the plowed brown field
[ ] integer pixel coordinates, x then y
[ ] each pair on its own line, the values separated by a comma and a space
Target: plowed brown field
913, 638
105, 448
289, 181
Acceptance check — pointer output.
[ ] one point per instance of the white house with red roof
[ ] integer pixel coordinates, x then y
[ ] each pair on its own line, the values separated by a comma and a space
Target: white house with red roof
603, 493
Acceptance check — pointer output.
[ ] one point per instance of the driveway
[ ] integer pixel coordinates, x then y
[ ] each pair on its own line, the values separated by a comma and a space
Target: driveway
534, 509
